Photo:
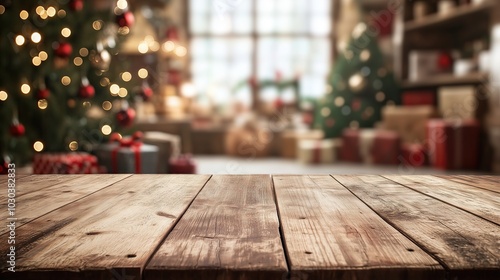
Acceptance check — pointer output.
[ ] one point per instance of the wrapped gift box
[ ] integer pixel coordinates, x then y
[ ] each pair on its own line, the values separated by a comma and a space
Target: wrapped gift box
128, 156
182, 164
350, 145
291, 138
168, 145
413, 155
408, 122
386, 147
417, 98
453, 144
66, 163
458, 102
318, 151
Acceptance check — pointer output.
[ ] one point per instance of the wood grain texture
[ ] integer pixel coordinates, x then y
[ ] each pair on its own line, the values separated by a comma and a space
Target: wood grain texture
49, 198
231, 231
113, 231
331, 234
31, 183
468, 246
483, 203
491, 183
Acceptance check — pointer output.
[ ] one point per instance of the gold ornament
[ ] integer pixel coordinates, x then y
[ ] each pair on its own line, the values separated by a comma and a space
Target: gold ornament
357, 83
365, 55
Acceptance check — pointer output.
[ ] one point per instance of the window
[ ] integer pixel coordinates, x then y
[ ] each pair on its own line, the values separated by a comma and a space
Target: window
233, 40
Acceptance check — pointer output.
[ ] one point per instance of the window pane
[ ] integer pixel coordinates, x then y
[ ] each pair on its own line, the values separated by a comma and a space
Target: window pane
199, 6
199, 23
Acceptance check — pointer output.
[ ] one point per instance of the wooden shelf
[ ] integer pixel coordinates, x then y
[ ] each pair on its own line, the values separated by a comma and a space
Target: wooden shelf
447, 80
457, 16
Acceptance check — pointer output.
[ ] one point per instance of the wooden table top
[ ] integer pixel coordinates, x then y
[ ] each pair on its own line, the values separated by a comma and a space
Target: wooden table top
252, 227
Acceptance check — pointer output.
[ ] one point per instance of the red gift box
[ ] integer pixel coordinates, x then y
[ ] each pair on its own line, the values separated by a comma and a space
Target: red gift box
386, 147
182, 164
69, 163
413, 155
350, 146
417, 98
453, 144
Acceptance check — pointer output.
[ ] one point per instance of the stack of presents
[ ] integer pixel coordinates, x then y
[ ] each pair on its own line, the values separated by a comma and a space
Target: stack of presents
438, 129
141, 153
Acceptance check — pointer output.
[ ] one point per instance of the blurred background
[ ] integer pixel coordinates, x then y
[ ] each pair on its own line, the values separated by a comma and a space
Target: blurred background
250, 86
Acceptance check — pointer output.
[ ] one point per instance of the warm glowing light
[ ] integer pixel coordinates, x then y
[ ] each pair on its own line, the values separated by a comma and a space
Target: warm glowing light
36, 37
66, 32
78, 61
66, 80
43, 104
38, 146
106, 105
97, 25
3, 95
24, 15
188, 90
25, 88
143, 47
123, 30
40, 10
122, 4
87, 104
43, 55
36, 61
339, 101
61, 13
51, 11
20, 40
44, 15
2, 9
154, 46
106, 129
142, 73
104, 82
122, 92
84, 52
126, 76
180, 51
168, 46
114, 89
73, 145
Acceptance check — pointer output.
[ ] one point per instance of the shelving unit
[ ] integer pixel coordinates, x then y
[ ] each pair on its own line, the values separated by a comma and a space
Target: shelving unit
465, 23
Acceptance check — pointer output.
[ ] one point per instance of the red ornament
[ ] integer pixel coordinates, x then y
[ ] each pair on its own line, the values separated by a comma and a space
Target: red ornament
86, 91
125, 117
125, 19
356, 105
146, 93
76, 5
63, 50
17, 130
42, 94
445, 61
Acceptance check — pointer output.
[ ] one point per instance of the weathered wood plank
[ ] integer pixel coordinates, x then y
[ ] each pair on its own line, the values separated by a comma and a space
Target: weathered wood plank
467, 245
52, 197
491, 183
481, 202
331, 234
113, 231
231, 231
31, 183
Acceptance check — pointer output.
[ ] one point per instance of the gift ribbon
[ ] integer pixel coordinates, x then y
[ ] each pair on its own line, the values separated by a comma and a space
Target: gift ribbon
134, 145
317, 152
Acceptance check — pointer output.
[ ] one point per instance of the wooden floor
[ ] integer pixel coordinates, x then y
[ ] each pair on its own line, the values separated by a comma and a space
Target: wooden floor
253, 227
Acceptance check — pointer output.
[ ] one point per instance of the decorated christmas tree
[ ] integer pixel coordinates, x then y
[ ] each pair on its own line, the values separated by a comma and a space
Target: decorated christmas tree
360, 85
62, 88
